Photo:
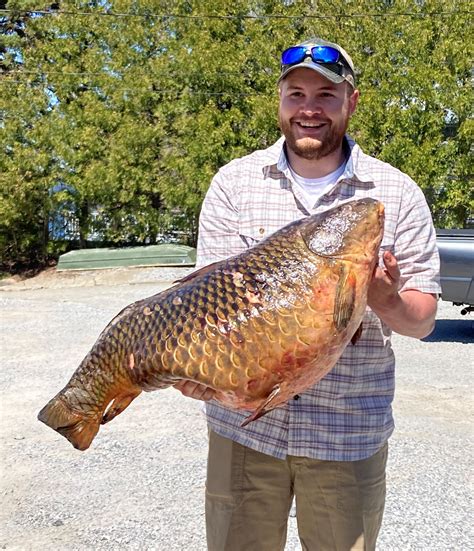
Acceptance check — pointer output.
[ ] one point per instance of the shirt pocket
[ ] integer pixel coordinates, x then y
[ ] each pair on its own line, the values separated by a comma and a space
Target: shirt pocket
251, 232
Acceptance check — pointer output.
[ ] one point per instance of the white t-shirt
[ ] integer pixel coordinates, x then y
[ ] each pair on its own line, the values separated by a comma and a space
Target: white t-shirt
313, 188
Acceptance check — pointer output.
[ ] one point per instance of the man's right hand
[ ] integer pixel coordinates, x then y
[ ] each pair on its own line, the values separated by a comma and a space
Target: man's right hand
195, 390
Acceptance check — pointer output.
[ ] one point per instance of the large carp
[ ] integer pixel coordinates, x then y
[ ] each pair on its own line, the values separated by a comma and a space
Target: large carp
258, 328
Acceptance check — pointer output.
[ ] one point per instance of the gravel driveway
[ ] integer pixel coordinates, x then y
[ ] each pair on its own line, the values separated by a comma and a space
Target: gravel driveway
140, 486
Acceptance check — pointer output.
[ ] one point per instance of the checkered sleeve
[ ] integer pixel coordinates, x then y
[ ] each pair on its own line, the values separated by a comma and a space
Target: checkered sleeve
218, 222
415, 242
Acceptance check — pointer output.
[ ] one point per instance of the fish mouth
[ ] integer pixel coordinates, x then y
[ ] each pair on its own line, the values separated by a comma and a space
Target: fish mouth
381, 212
369, 238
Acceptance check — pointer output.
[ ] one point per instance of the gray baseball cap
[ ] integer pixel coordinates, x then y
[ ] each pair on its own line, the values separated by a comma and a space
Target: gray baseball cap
326, 58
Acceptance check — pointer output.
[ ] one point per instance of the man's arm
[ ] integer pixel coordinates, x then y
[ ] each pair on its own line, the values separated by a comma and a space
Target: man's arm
411, 312
218, 236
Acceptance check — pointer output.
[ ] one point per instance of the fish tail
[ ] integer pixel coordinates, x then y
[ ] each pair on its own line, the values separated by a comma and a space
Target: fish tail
79, 428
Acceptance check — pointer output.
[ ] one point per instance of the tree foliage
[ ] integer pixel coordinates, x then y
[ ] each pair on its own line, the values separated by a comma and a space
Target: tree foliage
118, 113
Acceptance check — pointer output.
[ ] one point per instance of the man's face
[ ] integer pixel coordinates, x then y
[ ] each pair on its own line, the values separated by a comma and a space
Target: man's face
314, 113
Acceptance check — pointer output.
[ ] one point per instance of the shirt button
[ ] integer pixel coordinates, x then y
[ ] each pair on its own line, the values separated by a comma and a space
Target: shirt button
296, 397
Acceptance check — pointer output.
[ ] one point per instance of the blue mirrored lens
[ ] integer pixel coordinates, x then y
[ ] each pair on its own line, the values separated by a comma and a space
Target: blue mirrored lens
324, 54
293, 55
319, 54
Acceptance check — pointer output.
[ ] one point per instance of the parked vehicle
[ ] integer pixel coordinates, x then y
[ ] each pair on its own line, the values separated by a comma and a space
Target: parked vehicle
456, 250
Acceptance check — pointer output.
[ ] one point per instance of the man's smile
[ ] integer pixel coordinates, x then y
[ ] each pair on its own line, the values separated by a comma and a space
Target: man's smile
309, 128
310, 124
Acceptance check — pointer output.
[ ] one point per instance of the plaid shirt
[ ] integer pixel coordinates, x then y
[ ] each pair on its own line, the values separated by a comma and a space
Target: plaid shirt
347, 415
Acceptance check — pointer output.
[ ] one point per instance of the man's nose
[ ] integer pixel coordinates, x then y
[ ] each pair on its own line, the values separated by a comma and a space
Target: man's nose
312, 106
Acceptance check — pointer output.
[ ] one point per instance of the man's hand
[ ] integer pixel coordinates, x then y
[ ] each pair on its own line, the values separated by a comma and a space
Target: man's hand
383, 289
195, 390
411, 312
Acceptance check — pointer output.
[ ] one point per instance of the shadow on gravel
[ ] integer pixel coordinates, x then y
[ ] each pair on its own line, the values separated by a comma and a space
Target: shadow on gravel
452, 331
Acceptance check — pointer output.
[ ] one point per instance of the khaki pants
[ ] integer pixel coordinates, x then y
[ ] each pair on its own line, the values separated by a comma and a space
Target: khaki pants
339, 504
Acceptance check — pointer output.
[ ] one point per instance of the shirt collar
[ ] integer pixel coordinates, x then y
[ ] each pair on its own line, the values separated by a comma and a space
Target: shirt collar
356, 165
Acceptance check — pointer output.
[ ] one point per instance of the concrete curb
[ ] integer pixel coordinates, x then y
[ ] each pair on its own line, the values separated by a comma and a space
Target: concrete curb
51, 278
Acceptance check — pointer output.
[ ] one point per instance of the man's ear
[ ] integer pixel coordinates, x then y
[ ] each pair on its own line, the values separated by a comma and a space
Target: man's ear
353, 100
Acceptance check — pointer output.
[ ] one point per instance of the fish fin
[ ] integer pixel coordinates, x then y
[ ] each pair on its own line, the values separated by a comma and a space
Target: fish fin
345, 298
263, 409
78, 428
198, 272
357, 334
117, 405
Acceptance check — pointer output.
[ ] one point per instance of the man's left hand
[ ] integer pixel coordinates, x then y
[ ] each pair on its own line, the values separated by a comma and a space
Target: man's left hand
409, 312
383, 289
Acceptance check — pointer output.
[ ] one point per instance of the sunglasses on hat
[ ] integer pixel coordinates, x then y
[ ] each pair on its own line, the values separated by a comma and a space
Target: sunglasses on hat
319, 54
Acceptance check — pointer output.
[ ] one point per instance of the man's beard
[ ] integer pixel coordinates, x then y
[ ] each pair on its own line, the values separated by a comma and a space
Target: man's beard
313, 149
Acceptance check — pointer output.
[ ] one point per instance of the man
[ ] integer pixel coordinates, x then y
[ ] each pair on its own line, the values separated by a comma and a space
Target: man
328, 446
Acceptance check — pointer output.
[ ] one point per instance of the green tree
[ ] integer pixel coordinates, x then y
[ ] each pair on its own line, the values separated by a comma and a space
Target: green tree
25, 163
417, 101
125, 118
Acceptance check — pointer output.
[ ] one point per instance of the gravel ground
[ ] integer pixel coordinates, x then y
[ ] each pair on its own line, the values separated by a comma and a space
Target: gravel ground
140, 486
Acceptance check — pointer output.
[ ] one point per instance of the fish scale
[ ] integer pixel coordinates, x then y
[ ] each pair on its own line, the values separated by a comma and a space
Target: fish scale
257, 328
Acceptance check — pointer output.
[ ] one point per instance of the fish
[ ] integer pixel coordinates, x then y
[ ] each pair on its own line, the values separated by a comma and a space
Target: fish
258, 328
